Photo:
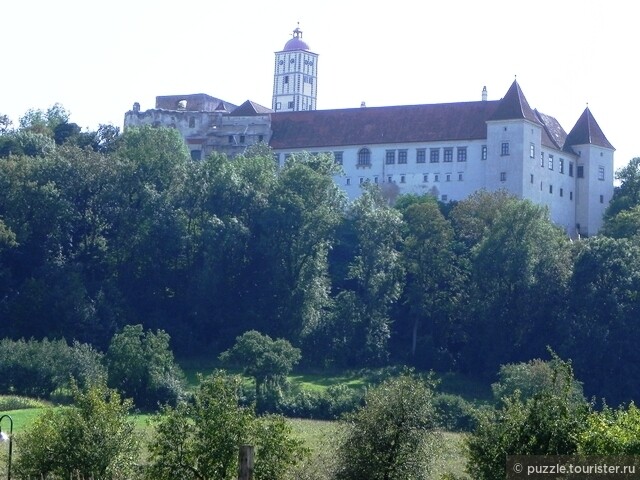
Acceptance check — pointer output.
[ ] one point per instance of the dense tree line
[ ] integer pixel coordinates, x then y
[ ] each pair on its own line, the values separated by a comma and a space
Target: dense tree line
99, 230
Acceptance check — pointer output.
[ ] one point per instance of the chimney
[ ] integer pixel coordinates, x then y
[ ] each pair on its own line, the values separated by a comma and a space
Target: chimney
484, 93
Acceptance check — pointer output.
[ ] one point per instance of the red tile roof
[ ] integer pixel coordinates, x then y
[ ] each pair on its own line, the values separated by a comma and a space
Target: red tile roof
250, 109
377, 125
586, 131
514, 105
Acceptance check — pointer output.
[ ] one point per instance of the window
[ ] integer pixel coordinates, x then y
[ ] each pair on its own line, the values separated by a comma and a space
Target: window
444, 198
425, 177
364, 157
278, 105
601, 198
421, 155
436, 177
570, 195
601, 173
459, 176
448, 155
375, 179
561, 165
390, 158
348, 181
192, 122
196, 154
483, 154
542, 159
448, 177
260, 138
562, 192
504, 150
550, 188
361, 180
402, 156
291, 104
571, 169
531, 178
532, 150
285, 79
402, 179
462, 154
503, 176
390, 179
242, 138
434, 155
550, 162
337, 156
230, 138
580, 172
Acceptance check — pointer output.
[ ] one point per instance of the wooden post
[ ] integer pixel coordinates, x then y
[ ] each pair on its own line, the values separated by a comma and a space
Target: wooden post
245, 463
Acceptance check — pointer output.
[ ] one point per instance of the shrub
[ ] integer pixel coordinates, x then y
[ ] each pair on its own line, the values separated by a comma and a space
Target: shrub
14, 402
35, 368
200, 439
329, 404
454, 413
612, 432
531, 377
93, 439
141, 366
393, 436
549, 422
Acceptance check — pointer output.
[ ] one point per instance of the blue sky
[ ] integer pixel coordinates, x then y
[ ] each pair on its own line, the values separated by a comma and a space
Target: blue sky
97, 58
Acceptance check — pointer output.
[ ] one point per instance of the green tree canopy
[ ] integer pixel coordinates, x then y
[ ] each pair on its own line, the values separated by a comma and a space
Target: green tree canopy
265, 359
93, 439
200, 440
393, 436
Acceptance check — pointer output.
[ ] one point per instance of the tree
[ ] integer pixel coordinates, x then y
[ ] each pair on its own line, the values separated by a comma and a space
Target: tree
294, 233
530, 377
603, 314
200, 440
434, 279
547, 423
627, 195
624, 224
141, 366
267, 361
5, 124
373, 284
93, 439
611, 432
393, 436
523, 258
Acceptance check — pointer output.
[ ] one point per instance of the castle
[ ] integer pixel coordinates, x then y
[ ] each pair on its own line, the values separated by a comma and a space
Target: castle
447, 150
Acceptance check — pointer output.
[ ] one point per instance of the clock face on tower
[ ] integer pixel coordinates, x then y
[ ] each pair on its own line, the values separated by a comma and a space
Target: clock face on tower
281, 62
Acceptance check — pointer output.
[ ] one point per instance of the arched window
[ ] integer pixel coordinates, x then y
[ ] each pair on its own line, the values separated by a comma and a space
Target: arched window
364, 157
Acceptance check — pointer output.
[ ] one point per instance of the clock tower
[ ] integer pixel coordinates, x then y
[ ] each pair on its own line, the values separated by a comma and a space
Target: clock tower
295, 79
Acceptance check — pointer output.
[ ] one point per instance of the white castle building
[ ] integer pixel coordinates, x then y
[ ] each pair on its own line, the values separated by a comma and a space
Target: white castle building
447, 150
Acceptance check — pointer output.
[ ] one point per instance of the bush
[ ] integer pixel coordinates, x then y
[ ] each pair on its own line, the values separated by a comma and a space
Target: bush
329, 404
612, 432
549, 422
200, 439
14, 402
531, 377
94, 439
454, 413
141, 366
393, 436
37, 368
